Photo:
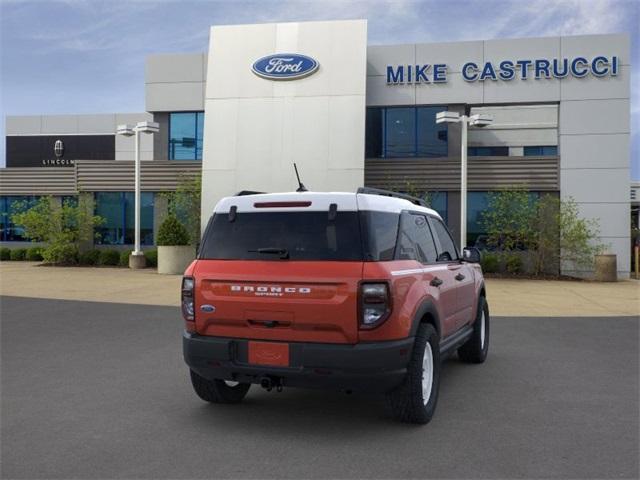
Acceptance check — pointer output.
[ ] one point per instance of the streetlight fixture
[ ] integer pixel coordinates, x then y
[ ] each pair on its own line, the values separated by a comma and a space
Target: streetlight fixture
136, 259
477, 120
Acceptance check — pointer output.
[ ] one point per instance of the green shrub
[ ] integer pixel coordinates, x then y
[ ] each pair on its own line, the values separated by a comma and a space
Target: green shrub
61, 227
57, 254
513, 263
172, 232
109, 257
152, 258
34, 254
124, 258
90, 257
5, 253
18, 254
490, 262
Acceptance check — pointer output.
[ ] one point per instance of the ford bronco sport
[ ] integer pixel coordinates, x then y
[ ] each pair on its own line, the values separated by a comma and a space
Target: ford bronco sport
357, 291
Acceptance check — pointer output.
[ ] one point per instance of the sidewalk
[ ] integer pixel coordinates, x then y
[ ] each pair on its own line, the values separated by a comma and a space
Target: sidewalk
530, 298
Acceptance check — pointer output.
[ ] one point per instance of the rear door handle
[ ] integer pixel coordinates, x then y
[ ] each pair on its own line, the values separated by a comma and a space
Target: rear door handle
436, 282
459, 277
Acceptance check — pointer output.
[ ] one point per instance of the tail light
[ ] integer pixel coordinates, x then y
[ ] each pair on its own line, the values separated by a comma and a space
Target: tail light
375, 304
188, 308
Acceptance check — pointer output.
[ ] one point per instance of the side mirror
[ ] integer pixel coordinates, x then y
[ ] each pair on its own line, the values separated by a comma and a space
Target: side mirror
471, 255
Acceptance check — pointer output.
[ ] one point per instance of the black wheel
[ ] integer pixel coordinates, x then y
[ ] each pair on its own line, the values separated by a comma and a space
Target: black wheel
218, 391
476, 348
415, 400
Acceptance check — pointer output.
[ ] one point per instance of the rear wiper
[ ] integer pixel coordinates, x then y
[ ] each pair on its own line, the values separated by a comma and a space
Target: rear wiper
283, 252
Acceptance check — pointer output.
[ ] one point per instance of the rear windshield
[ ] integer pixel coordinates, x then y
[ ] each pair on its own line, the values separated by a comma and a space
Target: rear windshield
350, 236
279, 235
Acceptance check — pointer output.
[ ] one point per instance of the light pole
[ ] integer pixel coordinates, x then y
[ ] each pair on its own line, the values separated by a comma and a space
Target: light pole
477, 120
136, 259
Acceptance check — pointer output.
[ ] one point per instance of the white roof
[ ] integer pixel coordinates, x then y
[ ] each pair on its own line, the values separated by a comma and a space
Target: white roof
320, 201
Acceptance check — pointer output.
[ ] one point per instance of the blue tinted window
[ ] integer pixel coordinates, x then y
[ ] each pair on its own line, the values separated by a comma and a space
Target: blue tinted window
405, 132
400, 132
117, 209
488, 151
541, 151
432, 137
10, 232
185, 135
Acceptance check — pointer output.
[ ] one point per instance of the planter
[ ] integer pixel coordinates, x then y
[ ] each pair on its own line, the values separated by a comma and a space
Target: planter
173, 260
606, 268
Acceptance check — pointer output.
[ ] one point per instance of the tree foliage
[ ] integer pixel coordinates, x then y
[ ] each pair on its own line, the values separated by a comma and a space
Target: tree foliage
549, 227
61, 227
185, 205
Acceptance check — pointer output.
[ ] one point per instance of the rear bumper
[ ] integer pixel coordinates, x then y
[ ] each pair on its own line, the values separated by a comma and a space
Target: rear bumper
370, 367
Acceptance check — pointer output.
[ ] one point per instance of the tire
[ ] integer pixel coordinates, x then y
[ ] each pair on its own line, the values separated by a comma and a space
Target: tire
218, 391
475, 349
407, 402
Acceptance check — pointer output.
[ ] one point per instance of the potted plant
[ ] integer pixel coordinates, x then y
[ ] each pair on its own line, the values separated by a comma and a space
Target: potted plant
174, 251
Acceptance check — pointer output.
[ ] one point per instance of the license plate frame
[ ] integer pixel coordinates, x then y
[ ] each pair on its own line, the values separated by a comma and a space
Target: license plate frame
271, 354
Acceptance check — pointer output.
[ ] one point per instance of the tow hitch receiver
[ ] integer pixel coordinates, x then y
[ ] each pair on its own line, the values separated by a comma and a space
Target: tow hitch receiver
269, 383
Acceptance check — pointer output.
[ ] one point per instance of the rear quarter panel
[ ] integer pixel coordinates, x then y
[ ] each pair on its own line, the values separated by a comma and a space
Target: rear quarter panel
408, 292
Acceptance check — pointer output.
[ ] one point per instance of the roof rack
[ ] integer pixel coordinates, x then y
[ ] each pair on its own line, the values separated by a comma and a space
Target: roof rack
242, 193
389, 193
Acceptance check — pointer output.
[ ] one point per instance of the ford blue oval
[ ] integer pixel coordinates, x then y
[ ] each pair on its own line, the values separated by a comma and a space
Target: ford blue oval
285, 66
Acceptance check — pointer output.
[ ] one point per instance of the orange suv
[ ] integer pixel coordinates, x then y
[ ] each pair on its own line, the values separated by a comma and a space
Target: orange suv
357, 291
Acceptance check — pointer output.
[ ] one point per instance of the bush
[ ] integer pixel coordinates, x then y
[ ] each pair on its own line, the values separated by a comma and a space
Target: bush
61, 254
18, 254
172, 232
34, 254
490, 262
90, 257
5, 253
124, 258
61, 227
109, 257
152, 258
513, 264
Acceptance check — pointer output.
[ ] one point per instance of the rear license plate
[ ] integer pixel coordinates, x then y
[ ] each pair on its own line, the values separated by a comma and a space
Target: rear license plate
267, 353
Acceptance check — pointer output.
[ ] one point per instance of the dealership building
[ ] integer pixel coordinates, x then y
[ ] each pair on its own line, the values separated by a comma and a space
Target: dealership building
348, 114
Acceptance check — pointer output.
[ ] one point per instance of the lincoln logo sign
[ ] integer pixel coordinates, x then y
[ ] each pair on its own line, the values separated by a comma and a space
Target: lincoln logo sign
285, 66
506, 70
58, 148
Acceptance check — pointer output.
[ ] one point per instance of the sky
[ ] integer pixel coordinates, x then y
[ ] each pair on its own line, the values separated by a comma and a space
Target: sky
87, 56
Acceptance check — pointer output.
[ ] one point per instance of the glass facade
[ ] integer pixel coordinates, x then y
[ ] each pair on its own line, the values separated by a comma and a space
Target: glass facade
185, 135
488, 151
541, 151
405, 132
117, 209
10, 232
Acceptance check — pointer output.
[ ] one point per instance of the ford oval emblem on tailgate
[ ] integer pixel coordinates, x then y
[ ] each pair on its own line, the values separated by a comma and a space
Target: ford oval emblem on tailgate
208, 308
284, 66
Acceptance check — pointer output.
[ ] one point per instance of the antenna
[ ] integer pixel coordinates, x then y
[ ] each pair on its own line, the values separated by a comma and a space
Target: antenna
301, 187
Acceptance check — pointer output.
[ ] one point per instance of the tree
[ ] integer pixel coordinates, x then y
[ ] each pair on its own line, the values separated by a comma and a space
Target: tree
550, 228
184, 203
508, 219
61, 227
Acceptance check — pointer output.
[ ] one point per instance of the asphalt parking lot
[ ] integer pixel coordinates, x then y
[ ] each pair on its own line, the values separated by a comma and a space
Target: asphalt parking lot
98, 390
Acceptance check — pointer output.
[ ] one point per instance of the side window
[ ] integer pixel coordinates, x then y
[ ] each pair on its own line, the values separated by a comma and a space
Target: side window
414, 239
446, 248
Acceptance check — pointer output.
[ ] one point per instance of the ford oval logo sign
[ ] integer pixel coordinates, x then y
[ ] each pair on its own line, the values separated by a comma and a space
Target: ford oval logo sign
285, 66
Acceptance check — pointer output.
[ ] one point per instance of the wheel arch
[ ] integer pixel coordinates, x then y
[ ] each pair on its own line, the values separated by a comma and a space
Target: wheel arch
426, 313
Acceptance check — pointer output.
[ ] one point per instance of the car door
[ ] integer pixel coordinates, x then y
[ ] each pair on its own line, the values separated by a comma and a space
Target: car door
416, 242
461, 272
